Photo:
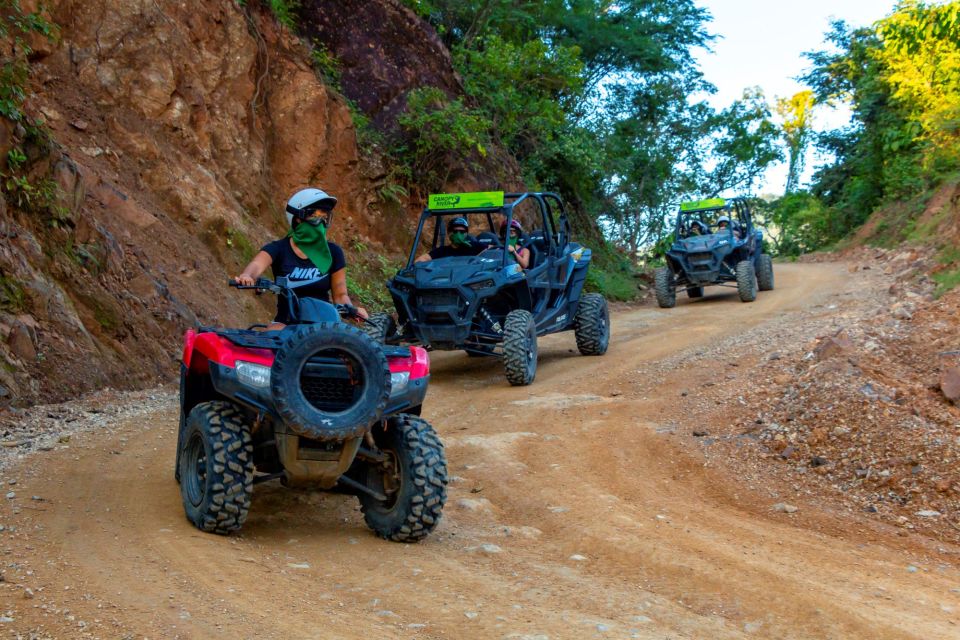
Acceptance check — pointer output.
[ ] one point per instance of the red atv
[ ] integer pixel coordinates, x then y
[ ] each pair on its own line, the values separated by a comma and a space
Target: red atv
317, 404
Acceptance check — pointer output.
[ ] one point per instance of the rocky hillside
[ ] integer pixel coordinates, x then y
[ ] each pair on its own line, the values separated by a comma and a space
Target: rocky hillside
175, 132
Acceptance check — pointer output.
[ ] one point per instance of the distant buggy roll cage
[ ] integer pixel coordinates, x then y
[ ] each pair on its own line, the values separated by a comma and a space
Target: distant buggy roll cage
736, 206
550, 207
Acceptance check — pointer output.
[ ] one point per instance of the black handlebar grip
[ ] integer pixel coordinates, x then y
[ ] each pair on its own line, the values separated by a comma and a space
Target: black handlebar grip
232, 283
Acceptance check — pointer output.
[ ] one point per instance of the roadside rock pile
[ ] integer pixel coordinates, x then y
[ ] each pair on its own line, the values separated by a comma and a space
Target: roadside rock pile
871, 410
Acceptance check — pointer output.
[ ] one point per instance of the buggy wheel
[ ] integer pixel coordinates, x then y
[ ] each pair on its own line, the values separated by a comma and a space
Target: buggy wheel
746, 281
520, 347
765, 272
379, 326
592, 325
695, 292
413, 478
216, 467
664, 288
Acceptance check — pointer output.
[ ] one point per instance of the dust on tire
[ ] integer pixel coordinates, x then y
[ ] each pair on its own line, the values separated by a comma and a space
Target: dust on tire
216, 467
591, 326
416, 509
520, 347
664, 288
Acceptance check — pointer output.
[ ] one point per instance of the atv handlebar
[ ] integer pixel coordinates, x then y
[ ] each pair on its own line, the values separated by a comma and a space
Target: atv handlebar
263, 284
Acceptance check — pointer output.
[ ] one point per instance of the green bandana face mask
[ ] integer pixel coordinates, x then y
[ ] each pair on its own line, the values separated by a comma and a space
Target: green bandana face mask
312, 240
459, 239
512, 241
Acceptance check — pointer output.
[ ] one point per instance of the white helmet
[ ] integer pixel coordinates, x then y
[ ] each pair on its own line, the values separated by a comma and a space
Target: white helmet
306, 201
723, 219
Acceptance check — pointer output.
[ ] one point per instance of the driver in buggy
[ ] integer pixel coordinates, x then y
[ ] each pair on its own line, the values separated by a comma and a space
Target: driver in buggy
698, 228
461, 243
304, 254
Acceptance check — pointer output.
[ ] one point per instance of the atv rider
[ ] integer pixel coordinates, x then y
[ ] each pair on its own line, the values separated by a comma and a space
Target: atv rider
520, 254
461, 244
304, 254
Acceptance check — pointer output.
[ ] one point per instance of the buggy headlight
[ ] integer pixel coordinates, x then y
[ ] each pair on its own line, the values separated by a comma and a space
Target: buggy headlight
483, 284
398, 381
253, 375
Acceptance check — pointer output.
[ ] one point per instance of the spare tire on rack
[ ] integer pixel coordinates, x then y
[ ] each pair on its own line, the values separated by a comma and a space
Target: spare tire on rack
329, 381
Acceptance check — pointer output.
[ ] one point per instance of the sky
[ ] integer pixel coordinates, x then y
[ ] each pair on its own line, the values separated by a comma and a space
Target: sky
762, 43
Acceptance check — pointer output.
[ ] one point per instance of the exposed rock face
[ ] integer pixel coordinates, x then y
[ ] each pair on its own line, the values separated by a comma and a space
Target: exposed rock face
180, 129
385, 51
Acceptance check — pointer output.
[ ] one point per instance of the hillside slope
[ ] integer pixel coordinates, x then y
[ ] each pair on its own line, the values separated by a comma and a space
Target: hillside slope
176, 133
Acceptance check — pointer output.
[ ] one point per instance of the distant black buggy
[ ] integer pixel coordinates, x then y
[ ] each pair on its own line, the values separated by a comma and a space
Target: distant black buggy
715, 243
486, 304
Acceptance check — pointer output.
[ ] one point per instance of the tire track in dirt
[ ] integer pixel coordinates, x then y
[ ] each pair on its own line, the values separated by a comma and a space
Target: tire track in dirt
572, 514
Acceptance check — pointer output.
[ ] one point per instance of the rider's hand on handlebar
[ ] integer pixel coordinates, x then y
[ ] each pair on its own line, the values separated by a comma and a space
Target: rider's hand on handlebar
363, 313
244, 280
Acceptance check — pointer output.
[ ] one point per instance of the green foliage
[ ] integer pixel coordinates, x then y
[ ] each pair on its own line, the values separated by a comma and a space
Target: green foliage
240, 243
38, 195
13, 297
901, 78
16, 23
326, 65
522, 89
367, 277
285, 11
946, 280
441, 133
611, 273
797, 223
796, 114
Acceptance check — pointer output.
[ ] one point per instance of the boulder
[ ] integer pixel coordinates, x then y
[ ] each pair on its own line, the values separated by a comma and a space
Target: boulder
950, 375
832, 346
21, 343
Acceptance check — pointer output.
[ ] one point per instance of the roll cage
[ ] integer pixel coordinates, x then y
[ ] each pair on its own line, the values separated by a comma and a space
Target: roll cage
736, 208
553, 221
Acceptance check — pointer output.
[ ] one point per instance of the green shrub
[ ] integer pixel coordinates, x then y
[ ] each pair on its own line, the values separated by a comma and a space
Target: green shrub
285, 11
326, 65
440, 133
13, 298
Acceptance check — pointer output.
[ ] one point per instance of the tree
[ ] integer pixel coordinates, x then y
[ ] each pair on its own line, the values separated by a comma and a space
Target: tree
796, 114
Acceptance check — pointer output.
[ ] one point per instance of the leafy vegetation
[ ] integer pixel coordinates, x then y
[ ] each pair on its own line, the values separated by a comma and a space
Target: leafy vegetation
366, 277
285, 11
593, 99
13, 298
440, 130
901, 78
31, 139
603, 103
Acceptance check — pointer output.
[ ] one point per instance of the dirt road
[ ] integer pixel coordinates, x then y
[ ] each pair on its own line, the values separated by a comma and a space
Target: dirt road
579, 508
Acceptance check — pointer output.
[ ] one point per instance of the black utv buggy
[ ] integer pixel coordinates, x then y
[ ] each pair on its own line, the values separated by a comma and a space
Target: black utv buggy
317, 404
486, 304
704, 254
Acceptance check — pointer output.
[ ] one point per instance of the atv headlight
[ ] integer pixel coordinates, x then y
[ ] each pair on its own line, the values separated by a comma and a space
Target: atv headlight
253, 375
399, 381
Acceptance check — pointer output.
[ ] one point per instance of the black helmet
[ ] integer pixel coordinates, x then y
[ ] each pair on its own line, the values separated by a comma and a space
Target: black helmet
459, 221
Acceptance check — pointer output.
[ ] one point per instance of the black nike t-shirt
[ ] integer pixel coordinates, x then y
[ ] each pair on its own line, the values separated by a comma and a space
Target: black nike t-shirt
450, 251
287, 263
